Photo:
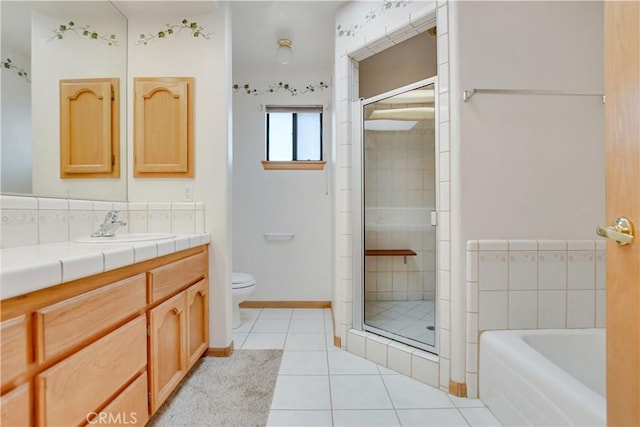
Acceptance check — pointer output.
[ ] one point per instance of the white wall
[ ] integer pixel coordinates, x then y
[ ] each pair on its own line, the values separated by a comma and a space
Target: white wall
531, 166
276, 201
73, 57
209, 62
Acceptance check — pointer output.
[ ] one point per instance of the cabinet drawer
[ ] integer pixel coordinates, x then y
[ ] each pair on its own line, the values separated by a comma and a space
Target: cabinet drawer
129, 408
168, 279
16, 410
14, 348
68, 323
70, 390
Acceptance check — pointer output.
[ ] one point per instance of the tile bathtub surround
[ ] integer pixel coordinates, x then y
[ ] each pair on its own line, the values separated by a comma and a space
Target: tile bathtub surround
531, 284
30, 221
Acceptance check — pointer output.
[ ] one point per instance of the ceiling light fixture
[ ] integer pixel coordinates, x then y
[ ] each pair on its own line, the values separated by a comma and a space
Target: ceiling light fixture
284, 52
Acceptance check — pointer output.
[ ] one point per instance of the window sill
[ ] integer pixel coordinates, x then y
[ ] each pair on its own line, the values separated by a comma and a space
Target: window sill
294, 165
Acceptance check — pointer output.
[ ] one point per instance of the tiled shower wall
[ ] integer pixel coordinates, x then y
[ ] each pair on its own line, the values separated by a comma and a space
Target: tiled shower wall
38, 220
399, 196
531, 284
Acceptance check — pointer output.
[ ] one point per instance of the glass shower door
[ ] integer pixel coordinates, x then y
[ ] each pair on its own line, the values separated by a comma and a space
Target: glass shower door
399, 197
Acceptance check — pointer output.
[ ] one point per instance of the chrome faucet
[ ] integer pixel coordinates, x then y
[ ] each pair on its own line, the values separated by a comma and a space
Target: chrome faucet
110, 224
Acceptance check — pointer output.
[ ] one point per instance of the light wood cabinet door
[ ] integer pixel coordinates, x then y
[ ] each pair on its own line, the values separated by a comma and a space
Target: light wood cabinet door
68, 392
167, 347
163, 127
89, 128
197, 321
16, 407
15, 346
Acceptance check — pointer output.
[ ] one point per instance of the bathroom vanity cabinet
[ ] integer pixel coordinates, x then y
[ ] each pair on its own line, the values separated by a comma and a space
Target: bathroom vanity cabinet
113, 345
178, 326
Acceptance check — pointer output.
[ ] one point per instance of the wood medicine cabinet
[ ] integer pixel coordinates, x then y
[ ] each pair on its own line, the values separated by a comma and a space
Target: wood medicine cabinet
89, 128
163, 127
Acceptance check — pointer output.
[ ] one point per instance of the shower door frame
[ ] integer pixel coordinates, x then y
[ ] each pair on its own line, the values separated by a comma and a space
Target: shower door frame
357, 227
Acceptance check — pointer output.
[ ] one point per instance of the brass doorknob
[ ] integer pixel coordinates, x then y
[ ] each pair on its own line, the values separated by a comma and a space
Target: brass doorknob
621, 231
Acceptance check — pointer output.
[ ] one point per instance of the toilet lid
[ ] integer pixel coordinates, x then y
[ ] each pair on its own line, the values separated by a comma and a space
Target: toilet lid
242, 280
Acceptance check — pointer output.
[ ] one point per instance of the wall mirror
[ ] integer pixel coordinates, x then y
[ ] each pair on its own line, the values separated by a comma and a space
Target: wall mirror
44, 42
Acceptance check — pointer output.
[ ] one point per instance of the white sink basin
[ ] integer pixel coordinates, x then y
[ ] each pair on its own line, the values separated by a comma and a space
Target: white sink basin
125, 238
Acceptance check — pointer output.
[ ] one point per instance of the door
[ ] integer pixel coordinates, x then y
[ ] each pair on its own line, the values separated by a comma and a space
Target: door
89, 128
163, 117
167, 347
197, 321
399, 200
622, 130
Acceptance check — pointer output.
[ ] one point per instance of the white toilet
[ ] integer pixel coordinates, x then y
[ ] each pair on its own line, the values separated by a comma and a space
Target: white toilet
242, 285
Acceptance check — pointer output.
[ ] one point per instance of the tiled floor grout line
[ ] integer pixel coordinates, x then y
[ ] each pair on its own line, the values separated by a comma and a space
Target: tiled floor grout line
326, 352
307, 326
395, 410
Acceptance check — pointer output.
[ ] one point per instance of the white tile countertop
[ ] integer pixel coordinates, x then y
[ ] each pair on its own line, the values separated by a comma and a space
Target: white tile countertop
30, 268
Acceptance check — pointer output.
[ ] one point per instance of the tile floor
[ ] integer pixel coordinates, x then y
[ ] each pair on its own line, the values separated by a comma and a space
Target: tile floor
322, 385
408, 319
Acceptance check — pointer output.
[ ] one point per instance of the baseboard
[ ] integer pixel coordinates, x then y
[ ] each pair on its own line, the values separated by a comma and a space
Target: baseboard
220, 352
458, 389
337, 341
285, 304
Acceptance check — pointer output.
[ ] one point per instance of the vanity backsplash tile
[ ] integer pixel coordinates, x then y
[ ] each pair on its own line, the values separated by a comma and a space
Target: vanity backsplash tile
30, 221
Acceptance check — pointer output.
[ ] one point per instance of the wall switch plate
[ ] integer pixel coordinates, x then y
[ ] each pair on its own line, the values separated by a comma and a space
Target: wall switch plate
188, 193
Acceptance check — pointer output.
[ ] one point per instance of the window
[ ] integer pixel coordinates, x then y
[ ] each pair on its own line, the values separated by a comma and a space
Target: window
294, 134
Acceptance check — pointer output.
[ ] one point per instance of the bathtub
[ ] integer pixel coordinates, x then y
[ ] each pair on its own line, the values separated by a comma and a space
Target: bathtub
550, 377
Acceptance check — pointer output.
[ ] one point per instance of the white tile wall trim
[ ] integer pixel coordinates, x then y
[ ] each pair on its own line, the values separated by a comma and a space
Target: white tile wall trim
531, 284
28, 221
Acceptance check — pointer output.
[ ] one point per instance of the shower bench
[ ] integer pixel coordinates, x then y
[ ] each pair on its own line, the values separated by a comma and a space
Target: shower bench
390, 252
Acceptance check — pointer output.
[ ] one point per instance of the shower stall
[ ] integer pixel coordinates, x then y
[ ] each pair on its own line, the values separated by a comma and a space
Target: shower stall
398, 215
